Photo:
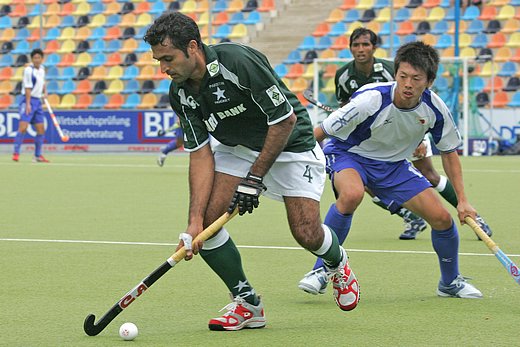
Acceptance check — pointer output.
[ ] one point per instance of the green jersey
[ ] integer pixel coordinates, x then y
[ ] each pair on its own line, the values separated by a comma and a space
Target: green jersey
348, 80
240, 96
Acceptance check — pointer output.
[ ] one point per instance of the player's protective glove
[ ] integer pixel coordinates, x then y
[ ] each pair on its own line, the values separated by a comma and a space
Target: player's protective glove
247, 193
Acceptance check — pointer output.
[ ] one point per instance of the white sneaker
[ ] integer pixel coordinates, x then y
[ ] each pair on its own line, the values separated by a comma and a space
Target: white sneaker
458, 288
160, 159
315, 281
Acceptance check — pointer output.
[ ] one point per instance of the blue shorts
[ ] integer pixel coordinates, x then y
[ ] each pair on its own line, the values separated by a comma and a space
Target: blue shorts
36, 116
179, 133
393, 183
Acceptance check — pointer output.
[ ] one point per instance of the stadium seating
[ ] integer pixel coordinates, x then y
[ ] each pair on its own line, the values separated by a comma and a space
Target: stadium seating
67, 102
148, 101
83, 101
515, 100
115, 101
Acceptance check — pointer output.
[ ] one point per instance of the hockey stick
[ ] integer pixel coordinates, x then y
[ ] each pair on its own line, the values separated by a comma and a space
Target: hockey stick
511, 267
172, 128
307, 94
63, 137
92, 329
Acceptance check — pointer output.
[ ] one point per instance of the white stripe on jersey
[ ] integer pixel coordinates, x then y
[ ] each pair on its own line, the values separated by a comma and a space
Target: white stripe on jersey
370, 125
33, 79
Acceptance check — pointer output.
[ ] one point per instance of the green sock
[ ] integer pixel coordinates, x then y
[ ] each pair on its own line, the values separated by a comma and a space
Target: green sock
402, 212
227, 264
445, 189
332, 255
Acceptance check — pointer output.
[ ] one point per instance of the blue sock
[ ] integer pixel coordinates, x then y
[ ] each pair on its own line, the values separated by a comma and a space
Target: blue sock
171, 146
446, 245
38, 143
18, 140
338, 222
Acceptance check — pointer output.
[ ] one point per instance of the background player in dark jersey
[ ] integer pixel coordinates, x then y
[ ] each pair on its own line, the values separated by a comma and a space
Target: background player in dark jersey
265, 141
364, 69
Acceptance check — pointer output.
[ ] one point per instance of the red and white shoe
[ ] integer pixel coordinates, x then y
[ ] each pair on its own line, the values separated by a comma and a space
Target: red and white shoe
40, 159
345, 284
240, 315
16, 156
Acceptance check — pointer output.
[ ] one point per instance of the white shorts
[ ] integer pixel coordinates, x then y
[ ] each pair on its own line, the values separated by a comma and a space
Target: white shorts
292, 174
428, 145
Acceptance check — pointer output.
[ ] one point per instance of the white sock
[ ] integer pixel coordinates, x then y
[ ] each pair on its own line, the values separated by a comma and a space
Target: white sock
442, 184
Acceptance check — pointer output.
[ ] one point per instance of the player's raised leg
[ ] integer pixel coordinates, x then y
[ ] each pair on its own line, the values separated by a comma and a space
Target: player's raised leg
319, 239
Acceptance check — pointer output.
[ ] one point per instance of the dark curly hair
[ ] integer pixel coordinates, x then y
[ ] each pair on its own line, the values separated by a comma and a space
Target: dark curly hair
175, 26
421, 56
36, 51
363, 31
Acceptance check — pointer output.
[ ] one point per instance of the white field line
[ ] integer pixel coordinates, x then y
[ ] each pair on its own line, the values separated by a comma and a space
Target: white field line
239, 246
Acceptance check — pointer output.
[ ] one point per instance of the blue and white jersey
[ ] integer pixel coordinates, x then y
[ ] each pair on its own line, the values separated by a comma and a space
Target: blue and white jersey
33, 79
371, 126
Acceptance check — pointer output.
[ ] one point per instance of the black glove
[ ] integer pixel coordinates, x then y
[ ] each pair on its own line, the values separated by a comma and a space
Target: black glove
247, 193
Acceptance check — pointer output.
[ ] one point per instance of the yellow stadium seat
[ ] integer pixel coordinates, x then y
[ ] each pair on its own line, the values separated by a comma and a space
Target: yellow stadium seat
82, 9
436, 14
203, 19
239, 31
84, 59
353, 26
488, 69
146, 58
99, 73
5, 87
383, 15
97, 21
511, 25
503, 54
83, 33
35, 23
429, 39
52, 21
514, 40
327, 54
419, 14
67, 33
189, 6
148, 101
381, 53
506, 12
128, 20
202, 6
465, 40
112, 8
308, 74
67, 102
115, 73
463, 25
8, 34
374, 26
143, 20
129, 46
299, 85
53, 99
67, 46
147, 73
365, 4
400, 4
329, 87
115, 86
235, 6
468, 52
336, 15
18, 74
52, 9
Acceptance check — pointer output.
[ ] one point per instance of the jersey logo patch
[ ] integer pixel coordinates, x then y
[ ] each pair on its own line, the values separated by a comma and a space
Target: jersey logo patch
275, 95
219, 93
378, 67
213, 68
